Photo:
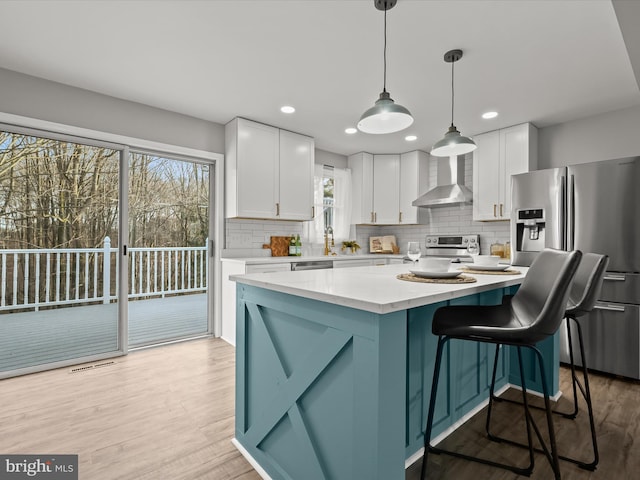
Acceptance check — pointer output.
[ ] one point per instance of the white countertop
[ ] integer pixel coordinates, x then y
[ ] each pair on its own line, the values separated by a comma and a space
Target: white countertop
373, 289
269, 260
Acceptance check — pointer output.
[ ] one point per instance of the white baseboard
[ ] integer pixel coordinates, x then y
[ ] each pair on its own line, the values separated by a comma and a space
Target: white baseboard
233, 344
418, 455
250, 459
553, 398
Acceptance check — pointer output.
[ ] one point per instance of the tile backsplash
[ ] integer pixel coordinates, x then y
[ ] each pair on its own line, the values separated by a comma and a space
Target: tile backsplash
449, 221
245, 237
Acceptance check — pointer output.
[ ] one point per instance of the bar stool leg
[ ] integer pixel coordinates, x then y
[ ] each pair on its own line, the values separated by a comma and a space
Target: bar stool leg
428, 429
553, 458
574, 378
587, 396
432, 405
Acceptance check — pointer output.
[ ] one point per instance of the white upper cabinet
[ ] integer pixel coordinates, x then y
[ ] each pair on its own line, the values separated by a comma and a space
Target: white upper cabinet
414, 180
501, 154
296, 176
385, 185
268, 172
361, 165
386, 189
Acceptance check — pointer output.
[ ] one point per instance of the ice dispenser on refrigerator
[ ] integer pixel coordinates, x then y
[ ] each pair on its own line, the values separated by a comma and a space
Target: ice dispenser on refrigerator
530, 230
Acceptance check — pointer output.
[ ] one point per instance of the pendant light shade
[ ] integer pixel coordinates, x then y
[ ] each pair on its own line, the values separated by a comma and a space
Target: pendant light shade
385, 116
453, 142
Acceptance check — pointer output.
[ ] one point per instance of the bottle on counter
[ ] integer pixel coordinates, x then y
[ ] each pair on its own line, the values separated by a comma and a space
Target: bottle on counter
298, 246
507, 250
292, 246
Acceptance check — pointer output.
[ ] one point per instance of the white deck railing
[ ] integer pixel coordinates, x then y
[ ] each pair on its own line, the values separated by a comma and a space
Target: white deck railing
35, 278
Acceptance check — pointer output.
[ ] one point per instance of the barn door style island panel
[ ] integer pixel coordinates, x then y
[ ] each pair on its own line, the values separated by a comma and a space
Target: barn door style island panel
334, 369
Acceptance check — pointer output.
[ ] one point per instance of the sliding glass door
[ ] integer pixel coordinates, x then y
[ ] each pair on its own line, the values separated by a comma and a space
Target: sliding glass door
168, 248
71, 290
59, 217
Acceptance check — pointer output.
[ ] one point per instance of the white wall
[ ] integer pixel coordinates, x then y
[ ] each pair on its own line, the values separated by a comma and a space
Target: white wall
600, 137
45, 100
329, 158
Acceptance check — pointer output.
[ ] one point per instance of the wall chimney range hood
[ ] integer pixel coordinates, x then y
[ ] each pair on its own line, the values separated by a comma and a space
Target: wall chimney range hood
450, 189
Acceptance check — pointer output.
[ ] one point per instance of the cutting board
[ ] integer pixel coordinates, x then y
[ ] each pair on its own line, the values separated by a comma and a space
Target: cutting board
386, 244
279, 246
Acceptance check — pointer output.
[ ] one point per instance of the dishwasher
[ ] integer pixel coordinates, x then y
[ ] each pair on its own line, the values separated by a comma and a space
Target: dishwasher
311, 265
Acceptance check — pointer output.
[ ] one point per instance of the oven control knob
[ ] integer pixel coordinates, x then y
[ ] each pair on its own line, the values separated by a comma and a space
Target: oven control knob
465, 240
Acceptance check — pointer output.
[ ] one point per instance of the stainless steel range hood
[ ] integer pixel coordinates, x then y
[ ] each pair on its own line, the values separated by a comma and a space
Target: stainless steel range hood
450, 189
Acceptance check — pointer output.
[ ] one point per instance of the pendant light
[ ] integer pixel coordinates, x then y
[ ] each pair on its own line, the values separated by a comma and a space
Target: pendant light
453, 143
385, 116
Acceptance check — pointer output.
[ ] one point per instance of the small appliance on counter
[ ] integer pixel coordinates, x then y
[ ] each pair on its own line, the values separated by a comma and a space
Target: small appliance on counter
452, 246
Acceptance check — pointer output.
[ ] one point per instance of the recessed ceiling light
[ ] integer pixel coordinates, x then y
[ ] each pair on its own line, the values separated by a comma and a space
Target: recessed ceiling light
350, 130
287, 109
488, 115
410, 138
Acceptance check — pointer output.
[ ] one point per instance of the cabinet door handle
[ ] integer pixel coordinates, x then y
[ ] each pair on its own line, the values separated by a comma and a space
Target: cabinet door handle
501, 214
400, 217
494, 210
372, 220
313, 212
375, 217
277, 209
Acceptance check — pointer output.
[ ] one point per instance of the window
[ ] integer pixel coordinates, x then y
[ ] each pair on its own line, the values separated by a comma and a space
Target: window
332, 204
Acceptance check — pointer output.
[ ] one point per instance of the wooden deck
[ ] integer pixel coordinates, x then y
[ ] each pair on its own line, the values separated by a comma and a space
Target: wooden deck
36, 338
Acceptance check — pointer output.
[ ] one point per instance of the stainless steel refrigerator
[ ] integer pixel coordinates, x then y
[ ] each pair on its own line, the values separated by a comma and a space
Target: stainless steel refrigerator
593, 207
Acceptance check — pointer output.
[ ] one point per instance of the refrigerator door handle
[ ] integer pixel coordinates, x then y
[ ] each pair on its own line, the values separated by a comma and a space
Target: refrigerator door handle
610, 307
563, 213
571, 215
616, 277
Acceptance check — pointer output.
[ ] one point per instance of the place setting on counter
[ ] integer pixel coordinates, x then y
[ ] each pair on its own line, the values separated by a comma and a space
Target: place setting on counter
434, 269
488, 265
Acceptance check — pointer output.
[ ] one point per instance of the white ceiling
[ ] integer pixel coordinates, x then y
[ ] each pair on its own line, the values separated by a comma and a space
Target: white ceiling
541, 61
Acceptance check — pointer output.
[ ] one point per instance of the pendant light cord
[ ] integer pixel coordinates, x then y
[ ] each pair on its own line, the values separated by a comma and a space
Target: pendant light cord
452, 93
384, 55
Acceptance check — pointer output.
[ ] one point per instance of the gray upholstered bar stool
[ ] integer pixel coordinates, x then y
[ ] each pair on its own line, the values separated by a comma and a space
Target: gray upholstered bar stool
533, 314
583, 295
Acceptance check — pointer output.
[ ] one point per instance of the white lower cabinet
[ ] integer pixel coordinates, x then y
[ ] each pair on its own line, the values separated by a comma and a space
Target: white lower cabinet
268, 268
366, 262
228, 289
352, 263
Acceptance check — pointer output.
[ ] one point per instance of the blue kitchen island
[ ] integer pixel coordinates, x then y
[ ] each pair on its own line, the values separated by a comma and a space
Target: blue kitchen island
334, 369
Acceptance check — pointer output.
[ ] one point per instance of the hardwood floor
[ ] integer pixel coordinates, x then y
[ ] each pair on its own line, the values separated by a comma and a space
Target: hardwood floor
162, 413
616, 405
168, 413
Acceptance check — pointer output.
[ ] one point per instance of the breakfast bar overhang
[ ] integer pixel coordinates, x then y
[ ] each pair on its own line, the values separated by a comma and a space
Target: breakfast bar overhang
334, 368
